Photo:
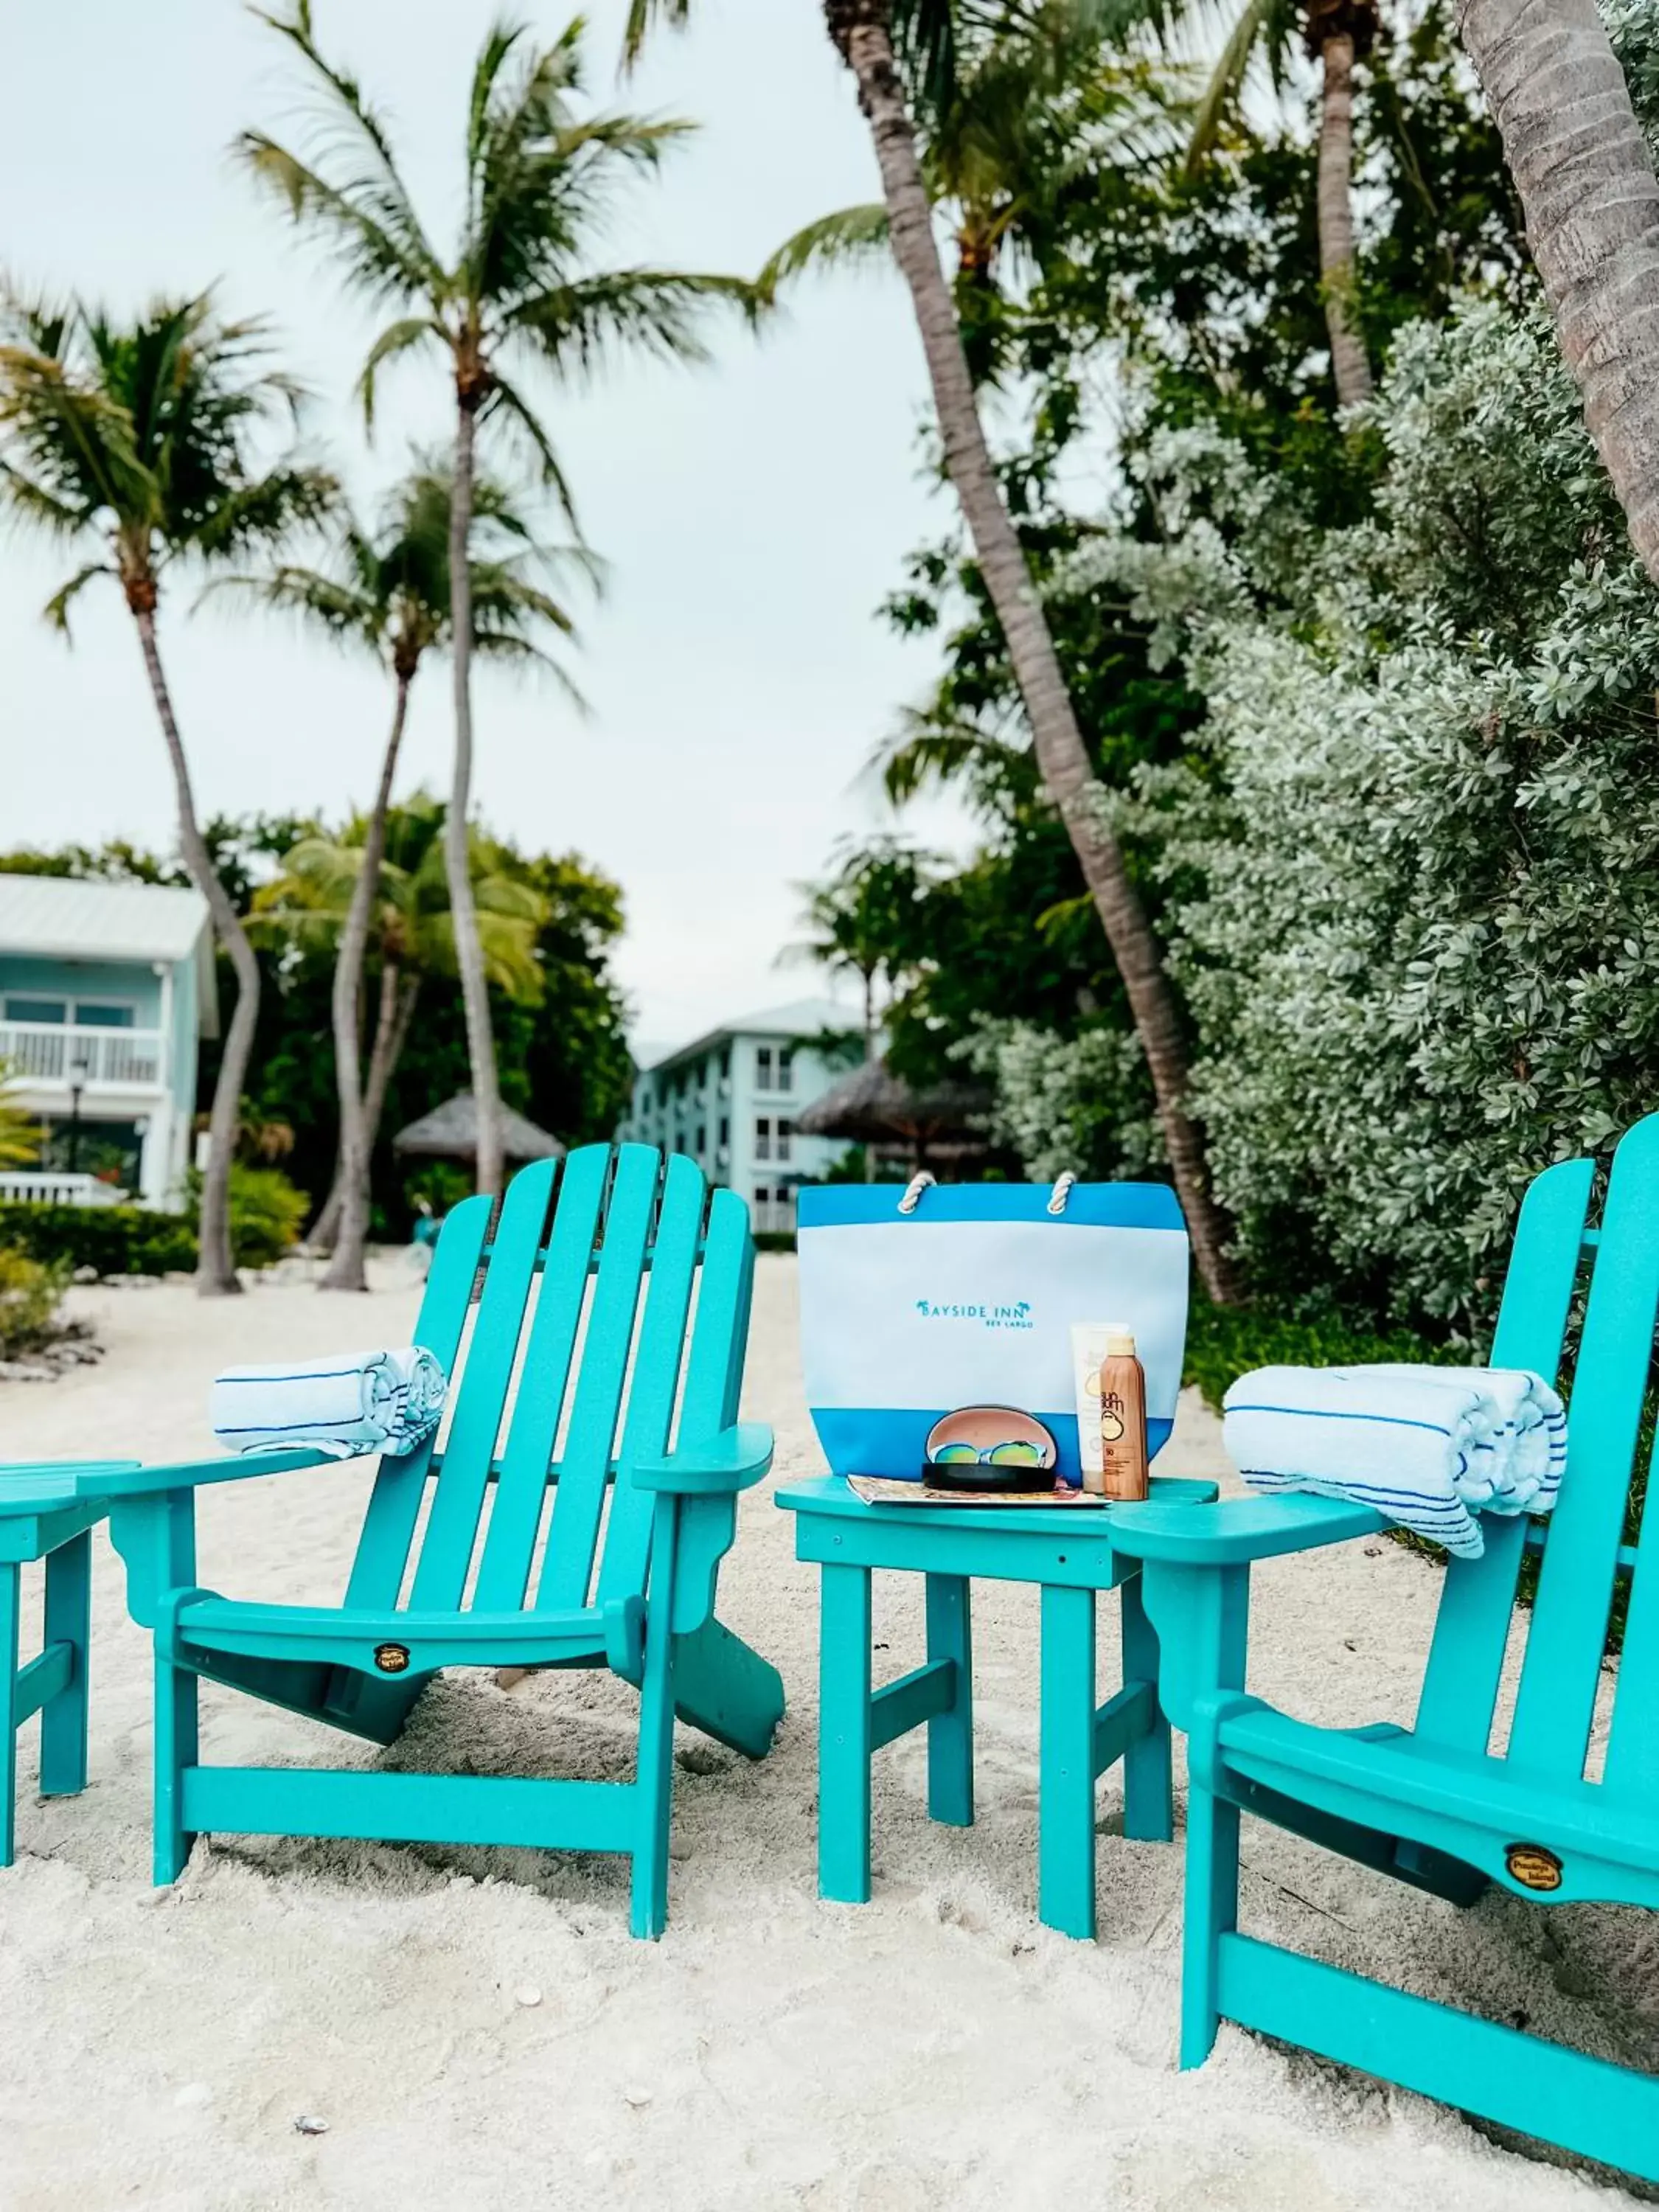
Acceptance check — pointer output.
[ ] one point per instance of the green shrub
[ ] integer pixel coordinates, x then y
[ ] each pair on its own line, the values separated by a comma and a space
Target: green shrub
1223, 1342
267, 1212
116, 1240
30, 1290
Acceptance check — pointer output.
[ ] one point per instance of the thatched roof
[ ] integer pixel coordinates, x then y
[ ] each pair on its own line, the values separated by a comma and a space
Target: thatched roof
450, 1131
872, 1106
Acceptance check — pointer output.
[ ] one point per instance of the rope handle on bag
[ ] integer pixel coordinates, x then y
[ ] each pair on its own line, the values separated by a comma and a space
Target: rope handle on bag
912, 1199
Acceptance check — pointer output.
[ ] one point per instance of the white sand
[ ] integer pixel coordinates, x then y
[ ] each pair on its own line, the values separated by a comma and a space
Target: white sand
936, 2047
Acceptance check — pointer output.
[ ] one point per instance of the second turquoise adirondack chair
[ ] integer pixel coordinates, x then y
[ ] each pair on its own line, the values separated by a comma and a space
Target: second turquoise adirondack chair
1447, 1805
560, 1413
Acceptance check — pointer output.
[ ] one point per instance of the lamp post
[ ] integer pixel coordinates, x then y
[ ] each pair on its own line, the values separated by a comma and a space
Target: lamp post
80, 1068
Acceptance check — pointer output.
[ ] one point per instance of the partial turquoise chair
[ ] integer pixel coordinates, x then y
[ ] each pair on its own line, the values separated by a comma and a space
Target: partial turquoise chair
636, 1530
1445, 1805
37, 1522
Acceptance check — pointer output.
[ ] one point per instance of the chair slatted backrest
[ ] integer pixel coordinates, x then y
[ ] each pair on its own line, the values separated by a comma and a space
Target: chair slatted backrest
599, 1351
1566, 1633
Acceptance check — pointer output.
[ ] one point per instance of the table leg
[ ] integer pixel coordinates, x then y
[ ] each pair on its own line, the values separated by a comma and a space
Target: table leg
844, 1734
951, 1734
10, 1580
1065, 1845
68, 1620
1148, 1788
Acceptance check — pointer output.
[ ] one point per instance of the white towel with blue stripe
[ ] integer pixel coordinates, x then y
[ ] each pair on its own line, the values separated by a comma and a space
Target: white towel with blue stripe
345, 1405
1430, 1448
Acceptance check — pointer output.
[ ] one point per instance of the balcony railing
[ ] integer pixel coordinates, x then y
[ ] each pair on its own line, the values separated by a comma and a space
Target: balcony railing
42, 1188
61, 1053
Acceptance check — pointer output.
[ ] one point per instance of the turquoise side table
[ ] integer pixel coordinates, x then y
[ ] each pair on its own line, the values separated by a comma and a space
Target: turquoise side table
37, 1522
1069, 1553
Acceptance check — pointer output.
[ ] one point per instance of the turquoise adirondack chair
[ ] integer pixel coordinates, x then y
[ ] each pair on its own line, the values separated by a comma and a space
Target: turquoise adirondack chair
631, 1587
1443, 1805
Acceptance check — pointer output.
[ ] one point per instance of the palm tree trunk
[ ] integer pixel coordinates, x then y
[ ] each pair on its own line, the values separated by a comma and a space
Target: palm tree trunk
1350, 365
469, 954
860, 31
345, 1270
1591, 201
216, 1272
393, 1021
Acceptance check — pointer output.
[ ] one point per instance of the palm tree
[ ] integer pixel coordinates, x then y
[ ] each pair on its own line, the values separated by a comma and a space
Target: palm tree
1586, 179
141, 438
861, 920
389, 594
411, 929
1335, 33
870, 35
20, 1133
541, 181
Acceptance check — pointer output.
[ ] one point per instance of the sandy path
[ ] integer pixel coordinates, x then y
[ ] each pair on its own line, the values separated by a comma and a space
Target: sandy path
935, 2048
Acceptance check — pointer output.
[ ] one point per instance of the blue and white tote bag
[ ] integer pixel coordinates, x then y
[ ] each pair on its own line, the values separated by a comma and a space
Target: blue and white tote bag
934, 1301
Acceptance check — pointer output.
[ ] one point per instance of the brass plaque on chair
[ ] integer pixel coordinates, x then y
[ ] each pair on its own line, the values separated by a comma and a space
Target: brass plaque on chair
392, 1658
1534, 1866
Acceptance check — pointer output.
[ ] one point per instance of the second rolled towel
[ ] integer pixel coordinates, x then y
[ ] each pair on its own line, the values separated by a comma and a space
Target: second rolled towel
1428, 1447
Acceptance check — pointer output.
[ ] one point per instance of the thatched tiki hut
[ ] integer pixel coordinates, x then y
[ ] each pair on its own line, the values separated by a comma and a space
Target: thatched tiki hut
450, 1131
872, 1106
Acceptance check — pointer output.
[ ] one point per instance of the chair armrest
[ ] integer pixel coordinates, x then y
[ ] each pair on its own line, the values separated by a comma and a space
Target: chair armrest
735, 1460
1236, 1530
117, 1479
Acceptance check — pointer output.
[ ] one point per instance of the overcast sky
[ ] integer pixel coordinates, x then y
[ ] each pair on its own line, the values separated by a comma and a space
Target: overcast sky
753, 512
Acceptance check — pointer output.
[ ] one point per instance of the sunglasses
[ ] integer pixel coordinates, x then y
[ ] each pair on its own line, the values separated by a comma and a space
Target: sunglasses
1016, 1453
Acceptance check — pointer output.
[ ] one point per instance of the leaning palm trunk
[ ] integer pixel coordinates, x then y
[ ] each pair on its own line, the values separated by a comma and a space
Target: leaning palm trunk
216, 1272
398, 997
860, 31
1351, 367
345, 1271
469, 954
1591, 201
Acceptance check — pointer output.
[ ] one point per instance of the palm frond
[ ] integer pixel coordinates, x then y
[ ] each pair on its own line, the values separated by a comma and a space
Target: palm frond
852, 237
578, 325
506, 398
1226, 81
56, 608
641, 15
398, 338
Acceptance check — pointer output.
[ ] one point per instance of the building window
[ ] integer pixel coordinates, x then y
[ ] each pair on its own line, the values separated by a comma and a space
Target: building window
786, 1069
785, 1131
703, 1136
104, 1013
762, 1067
53, 1011
764, 1138
725, 1132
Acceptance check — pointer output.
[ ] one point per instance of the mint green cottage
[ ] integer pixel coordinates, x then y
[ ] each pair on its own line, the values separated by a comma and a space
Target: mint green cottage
105, 992
729, 1099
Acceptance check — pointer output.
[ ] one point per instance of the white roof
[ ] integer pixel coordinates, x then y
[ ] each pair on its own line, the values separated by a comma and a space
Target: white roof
62, 918
65, 918
801, 1017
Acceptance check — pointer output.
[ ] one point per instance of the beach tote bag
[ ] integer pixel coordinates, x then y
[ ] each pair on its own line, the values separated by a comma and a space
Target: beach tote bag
918, 1302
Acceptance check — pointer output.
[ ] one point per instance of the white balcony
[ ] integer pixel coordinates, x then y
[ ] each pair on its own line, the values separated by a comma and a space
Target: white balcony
63, 1054
42, 1188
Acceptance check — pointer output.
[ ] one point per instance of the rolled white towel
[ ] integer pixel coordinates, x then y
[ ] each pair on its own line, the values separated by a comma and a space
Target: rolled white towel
1427, 1447
345, 1405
